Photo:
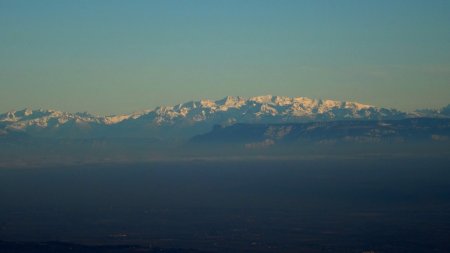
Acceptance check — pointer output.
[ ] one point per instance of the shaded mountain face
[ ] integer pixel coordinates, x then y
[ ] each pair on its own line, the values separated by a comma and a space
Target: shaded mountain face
432, 113
446, 110
188, 119
385, 131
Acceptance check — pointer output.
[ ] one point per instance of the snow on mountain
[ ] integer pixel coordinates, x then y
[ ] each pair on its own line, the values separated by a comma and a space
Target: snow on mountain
25, 118
194, 117
43, 118
114, 119
267, 109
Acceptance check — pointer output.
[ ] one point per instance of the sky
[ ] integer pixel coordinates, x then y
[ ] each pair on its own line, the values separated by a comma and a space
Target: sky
112, 56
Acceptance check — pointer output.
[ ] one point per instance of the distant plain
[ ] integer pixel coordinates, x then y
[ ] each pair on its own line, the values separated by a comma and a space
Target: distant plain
317, 205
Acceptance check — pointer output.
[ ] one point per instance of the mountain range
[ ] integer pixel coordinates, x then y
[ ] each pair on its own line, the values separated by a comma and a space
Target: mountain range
185, 120
233, 127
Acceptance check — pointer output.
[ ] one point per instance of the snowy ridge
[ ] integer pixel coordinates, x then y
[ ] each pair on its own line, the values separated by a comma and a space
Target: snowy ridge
44, 118
270, 109
196, 116
53, 118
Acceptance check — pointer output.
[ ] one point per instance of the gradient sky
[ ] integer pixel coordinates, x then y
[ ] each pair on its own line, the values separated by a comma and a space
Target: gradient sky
110, 57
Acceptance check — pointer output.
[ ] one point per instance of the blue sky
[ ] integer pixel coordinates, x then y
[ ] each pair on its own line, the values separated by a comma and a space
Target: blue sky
120, 56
